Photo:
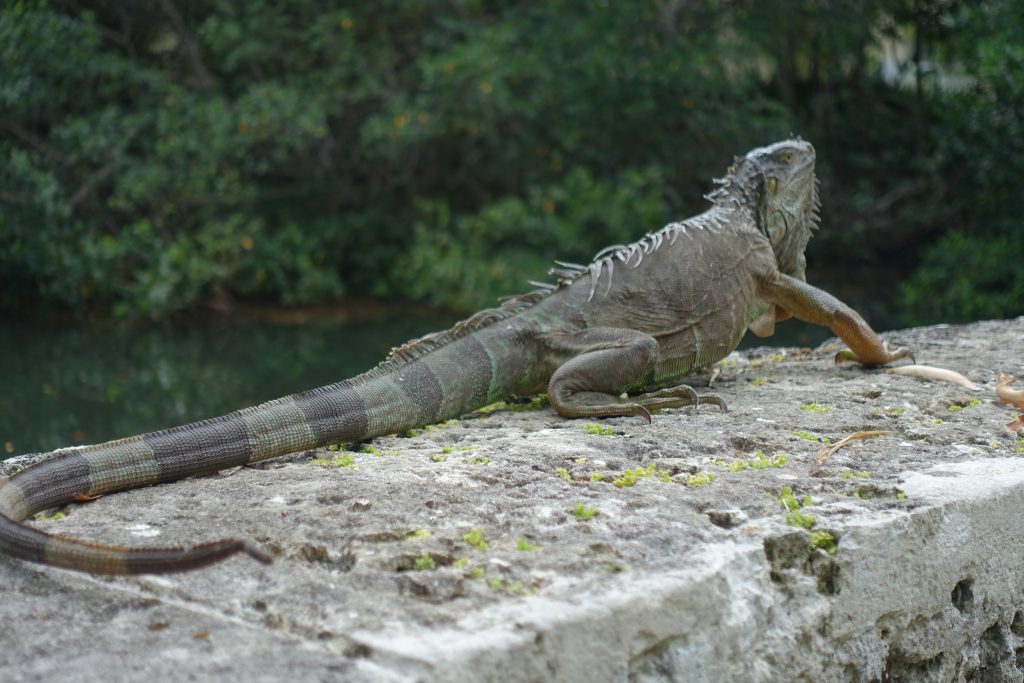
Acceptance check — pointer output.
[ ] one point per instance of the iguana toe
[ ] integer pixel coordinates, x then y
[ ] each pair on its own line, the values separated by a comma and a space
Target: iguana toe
255, 552
679, 396
714, 399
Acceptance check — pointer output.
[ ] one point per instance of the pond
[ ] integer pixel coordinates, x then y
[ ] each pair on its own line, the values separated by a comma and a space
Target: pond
66, 385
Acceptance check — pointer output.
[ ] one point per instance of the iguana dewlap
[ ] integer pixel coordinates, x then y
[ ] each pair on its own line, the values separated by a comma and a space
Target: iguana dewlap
634, 321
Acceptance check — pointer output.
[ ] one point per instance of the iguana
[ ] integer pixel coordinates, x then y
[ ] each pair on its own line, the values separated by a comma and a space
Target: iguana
611, 338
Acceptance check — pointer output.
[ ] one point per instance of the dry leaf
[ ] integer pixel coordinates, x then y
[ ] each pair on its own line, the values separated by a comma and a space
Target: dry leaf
932, 372
856, 436
1013, 397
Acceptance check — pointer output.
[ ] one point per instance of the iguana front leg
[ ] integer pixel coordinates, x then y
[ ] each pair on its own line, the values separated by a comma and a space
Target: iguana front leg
604, 363
817, 306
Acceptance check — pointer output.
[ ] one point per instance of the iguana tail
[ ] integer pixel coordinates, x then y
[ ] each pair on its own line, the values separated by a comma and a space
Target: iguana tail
444, 384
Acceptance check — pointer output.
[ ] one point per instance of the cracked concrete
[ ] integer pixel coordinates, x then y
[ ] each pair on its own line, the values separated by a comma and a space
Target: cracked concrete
679, 576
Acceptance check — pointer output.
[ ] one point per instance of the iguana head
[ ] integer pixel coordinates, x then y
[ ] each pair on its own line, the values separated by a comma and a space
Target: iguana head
777, 184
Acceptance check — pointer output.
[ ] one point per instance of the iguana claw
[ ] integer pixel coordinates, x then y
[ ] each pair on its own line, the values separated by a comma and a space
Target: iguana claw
714, 400
255, 552
677, 397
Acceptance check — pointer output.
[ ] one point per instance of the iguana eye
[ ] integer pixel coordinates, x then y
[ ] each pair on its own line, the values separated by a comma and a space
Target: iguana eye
786, 157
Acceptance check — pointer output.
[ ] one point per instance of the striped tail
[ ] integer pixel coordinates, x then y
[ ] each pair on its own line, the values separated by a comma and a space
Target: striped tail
445, 383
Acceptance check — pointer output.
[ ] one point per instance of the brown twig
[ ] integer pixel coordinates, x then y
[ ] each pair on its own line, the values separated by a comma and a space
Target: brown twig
856, 436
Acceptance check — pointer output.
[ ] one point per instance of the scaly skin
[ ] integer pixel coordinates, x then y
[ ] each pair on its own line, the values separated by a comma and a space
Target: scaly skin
635, 321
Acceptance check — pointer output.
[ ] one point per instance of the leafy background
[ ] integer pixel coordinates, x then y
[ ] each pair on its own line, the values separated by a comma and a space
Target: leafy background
161, 156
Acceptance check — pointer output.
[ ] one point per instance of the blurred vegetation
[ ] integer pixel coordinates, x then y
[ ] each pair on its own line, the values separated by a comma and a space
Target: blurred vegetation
162, 155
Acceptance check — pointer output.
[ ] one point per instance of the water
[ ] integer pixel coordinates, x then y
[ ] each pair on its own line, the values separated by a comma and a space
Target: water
68, 385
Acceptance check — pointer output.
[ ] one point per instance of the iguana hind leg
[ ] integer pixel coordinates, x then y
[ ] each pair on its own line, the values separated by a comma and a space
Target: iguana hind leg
605, 363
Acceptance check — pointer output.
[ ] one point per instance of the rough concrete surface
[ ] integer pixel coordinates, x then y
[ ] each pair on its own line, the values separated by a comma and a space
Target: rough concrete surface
670, 580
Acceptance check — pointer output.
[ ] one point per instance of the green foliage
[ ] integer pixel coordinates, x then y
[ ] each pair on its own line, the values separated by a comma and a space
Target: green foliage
582, 512
810, 436
968, 276
973, 270
957, 407
799, 519
476, 538
793, 505
525, 546
825, 540
790, 501
155, 157
763, 462
598, 429
336, 461
469, 261
424, 562
630, 477
699, 479
759, 462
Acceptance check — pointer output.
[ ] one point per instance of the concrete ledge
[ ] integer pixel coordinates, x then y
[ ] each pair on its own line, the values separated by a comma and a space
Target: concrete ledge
680, 576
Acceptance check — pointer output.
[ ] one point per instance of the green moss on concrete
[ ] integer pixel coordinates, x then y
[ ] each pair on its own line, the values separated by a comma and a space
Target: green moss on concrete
582, 512
476, 539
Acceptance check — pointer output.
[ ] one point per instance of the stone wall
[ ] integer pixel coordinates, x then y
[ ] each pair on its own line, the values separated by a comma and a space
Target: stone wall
608, 551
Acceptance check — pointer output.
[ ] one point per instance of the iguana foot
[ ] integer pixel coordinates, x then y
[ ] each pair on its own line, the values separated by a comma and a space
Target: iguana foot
715, 399
677, 397
891, 355
596, 404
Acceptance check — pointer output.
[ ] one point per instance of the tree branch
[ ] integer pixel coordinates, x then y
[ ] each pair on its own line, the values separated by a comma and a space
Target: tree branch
202, 74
